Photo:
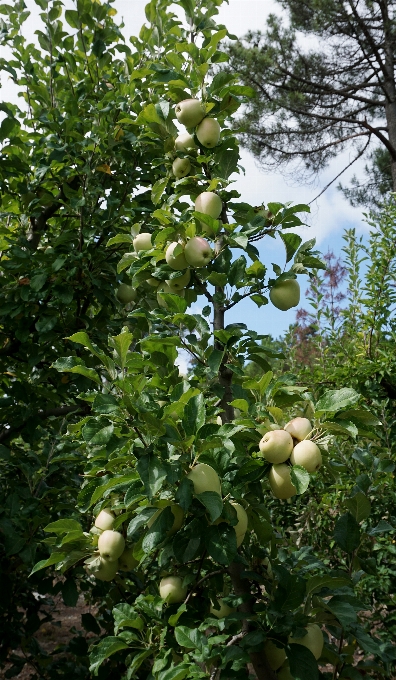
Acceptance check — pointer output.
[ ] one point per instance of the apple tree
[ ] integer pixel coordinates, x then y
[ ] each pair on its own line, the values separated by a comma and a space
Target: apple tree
181, 470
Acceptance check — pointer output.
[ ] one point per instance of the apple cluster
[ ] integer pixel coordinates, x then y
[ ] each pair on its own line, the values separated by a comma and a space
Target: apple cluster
276, 656
290, 445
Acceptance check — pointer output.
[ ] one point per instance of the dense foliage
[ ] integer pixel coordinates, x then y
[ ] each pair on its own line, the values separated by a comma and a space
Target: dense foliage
90, 201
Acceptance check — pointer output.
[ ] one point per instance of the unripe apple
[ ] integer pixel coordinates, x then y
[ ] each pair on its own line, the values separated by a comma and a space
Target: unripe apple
142, 242
105, 519
209, 203
180, 282
185, 142
181, 167
280, 481
307, 454
127, 560
177, 262
164, 288
223, 611
198, 252
126, 293
107, 570
153, 282
172, 590
285, 294
313, 640
284, 673
208, 133
276, 446
241, 527
190, 112
276, 656
111, 545
177, 513
299, 428
204, 478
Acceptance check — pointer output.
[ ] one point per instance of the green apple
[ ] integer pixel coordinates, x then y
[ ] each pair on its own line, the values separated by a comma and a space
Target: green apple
164, 288
111, 545
299, 428
276, 446
172, 590
153, 282
280, 481
276, 656
126, 293
241, 527
190, 112
209, 203
127, 561
105, 519
313, 640
224, 610
177, 513
198, 252
102, 569
284, 673
204, 478
181, 167
208, 133
142, 242
307, 454
185, 142
177, 262
180, 282
285, 294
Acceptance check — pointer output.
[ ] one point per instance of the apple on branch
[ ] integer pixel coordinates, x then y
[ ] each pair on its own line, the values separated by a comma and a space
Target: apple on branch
308, 455
223, 611
172, 590
126, 293
111, 545
127, 561
190, 112
313, 640
181, 167
180, 282
285, 294
276, 446
198, 252
204, 478
208, 133
105, 519
276, 656
177, 513
177, 262
185, 142
142, 242
280, 481
299, 428
164, 288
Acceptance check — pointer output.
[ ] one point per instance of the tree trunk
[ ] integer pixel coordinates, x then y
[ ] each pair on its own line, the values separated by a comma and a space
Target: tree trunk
241, 586
389, 85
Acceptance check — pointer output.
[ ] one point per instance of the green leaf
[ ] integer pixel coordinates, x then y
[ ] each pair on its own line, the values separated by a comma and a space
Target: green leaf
194, 414
303, 665
220, 543
359, 506
343, 611
159, 530
72, 18
53, 559
191, 638
184, 494
158, 189
300, 478
292, 243
316, 583
152, 473
98, 432
119, 238
139, 521
126, 617
110, 645
381, 528
105, 403
178, 672
175, 617
38, 281
121, 344
336, 400
137, 661
46, 323
212, 502
62, 526
347, 533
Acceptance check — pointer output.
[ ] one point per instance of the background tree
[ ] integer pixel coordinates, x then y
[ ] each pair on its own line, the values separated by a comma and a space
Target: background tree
314, 102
